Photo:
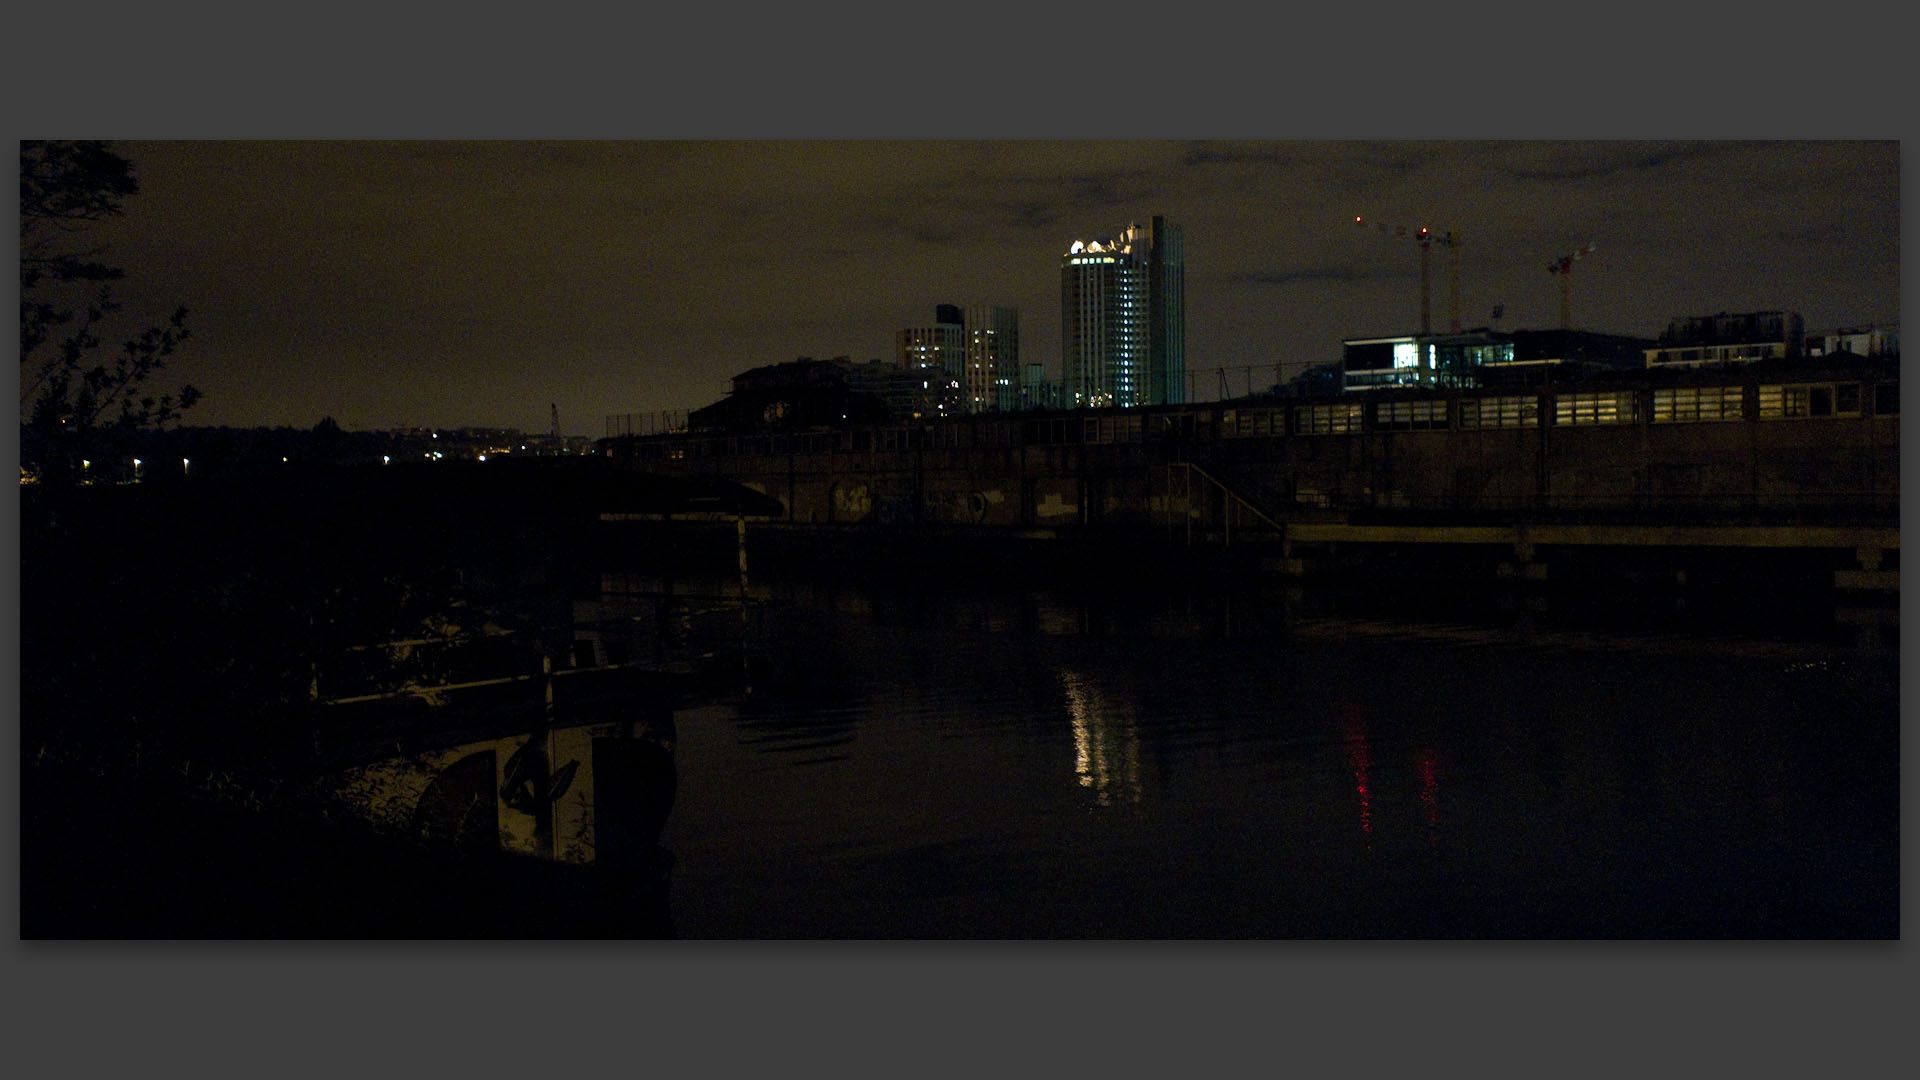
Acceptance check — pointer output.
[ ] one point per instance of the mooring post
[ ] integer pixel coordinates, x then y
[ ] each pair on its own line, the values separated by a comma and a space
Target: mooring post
740, 533
746, 625
1186, 500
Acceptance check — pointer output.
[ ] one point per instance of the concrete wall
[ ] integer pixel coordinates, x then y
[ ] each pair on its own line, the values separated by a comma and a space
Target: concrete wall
1811, 464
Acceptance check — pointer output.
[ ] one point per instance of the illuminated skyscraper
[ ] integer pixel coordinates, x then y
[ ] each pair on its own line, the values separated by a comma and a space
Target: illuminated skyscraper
978, 353
992, 378
941, 345
1123, 318
937, 354
1166, 314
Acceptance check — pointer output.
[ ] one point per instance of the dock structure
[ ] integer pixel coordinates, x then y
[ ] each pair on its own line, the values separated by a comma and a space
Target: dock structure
1800, 460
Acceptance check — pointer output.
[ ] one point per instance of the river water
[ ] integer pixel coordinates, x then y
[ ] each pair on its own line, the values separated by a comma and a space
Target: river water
1214, 763
895, 747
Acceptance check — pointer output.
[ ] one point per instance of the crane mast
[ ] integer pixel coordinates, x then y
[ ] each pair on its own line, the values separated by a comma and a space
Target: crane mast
1563, 267
1426, 238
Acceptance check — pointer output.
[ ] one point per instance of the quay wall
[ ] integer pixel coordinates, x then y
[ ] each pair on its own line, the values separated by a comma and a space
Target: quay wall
1751, 473
1820, 469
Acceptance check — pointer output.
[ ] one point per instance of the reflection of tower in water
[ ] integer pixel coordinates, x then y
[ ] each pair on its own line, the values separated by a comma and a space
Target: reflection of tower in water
1363, 767
1106, 740
1430, 793
1360, 760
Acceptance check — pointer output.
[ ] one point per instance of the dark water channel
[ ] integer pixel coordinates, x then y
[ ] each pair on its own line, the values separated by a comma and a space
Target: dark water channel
1232, 762
1064, 755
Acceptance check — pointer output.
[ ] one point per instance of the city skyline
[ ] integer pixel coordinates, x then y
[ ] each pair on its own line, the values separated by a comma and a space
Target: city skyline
390, 284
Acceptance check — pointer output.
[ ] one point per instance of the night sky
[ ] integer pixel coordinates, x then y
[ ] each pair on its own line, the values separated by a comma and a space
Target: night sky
473, 283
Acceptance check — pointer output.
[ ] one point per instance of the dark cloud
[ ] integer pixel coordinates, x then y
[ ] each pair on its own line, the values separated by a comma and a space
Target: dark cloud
1030, 215
1312, 274
1602, 161
919, 231
1204, 154
1102, 192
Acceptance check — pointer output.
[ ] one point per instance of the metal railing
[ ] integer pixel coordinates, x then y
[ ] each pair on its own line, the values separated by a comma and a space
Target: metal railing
663, 422
1230, 501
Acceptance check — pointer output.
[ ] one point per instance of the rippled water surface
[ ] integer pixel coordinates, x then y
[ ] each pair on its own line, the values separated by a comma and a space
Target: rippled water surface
1041, 766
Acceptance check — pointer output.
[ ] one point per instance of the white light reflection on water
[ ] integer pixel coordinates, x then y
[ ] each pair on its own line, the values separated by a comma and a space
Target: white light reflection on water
1106, 740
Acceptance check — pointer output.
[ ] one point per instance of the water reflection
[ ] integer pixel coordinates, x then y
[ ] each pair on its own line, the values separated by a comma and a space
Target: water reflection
1427, 760
1106, 739
1360, 761
1299, 770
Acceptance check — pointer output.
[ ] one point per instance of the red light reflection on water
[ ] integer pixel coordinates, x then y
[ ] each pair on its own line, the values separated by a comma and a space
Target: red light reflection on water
1360, 760
1430, 793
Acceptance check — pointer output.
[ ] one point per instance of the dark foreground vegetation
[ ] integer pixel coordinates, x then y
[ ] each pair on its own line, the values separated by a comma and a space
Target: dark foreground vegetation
185, 653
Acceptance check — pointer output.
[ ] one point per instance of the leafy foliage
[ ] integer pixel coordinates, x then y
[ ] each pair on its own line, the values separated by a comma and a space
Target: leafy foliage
69, 398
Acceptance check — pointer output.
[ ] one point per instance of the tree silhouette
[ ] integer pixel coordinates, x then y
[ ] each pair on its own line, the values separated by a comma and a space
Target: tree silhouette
328, 444
69, 397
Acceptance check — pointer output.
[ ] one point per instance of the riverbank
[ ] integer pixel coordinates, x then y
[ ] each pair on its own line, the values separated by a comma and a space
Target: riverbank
131, 857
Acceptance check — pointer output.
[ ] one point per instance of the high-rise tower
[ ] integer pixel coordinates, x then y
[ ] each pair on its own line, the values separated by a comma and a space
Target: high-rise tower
992, 380
1123, 318
937, 355
1166, 313
976, 351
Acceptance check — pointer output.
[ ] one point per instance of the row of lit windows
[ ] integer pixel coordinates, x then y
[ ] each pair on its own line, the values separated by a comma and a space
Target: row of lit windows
1668, 405
1361, 379
1614, 407
1255, 423
1693, 403
1410, 414
1327, 419
1499, 412
1815, 399
1716, 354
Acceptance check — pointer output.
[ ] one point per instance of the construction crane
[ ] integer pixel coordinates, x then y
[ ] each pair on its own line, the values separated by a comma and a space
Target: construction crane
1563, 266
1426, 238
